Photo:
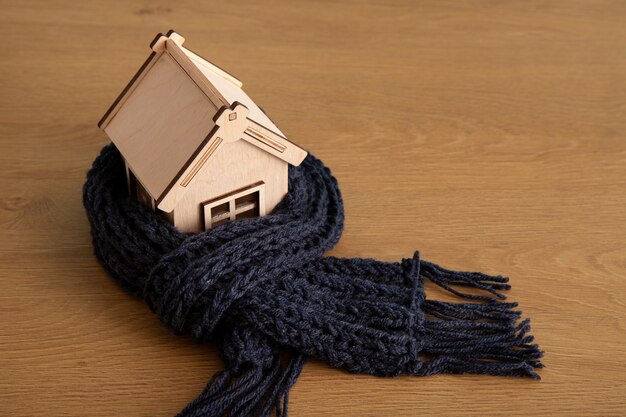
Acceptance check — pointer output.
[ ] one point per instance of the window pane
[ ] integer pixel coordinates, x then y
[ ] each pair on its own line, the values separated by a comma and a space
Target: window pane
220, 222
246, 214
219, 209
248, 200
247, 205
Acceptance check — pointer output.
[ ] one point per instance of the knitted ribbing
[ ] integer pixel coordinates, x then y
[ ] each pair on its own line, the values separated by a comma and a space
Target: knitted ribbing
261, 288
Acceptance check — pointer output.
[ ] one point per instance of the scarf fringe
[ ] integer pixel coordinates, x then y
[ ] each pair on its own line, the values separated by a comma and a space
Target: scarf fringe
482, 336
255, 391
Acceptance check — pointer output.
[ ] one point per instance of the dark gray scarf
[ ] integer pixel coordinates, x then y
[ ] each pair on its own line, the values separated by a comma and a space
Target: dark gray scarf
262, 288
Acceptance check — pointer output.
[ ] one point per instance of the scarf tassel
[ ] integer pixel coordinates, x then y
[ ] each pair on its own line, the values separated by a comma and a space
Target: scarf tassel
481, 336
255, 391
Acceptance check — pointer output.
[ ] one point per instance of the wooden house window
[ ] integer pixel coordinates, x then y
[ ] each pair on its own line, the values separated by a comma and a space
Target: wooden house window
239, 204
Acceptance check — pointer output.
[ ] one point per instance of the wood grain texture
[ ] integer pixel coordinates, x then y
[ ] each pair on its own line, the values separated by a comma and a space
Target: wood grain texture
490, 135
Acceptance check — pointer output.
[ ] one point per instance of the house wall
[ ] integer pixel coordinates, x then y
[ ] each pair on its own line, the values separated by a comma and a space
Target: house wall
233, 166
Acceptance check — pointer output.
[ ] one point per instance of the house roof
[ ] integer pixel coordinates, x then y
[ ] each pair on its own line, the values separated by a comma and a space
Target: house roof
167, 161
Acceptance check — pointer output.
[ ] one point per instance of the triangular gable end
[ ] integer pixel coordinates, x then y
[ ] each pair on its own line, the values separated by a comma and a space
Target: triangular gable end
229, 129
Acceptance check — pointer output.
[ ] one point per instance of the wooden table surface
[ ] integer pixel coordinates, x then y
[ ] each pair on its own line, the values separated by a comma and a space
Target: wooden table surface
489, 135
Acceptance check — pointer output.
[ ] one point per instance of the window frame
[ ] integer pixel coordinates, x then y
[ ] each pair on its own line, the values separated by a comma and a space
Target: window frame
211, 220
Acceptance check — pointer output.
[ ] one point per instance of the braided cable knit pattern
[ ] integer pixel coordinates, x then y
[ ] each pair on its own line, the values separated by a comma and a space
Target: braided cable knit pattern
262, 288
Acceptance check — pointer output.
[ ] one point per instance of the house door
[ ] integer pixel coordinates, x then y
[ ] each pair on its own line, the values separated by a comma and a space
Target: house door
241, 203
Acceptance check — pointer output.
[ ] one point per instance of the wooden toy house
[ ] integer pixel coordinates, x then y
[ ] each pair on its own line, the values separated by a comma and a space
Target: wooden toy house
197, 149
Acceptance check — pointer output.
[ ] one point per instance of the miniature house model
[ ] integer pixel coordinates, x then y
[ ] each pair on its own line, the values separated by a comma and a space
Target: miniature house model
197, 149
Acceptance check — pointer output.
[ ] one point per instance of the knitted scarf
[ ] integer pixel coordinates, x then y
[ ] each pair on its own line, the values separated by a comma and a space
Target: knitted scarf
264, 292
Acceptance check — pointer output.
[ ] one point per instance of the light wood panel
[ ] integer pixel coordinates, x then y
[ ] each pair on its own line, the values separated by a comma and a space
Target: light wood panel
490, 135
161, 124
212, 182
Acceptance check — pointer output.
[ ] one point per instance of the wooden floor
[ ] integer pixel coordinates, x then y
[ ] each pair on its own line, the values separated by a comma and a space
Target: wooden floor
489, 135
